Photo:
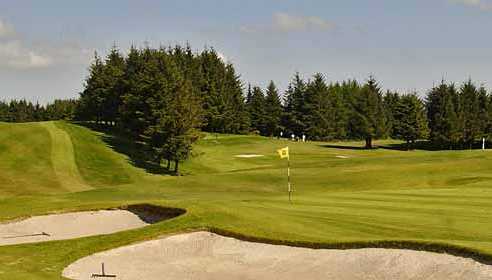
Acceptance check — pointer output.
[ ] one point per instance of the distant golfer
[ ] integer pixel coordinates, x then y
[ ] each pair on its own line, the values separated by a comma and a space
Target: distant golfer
303, 138
293, 137
281, 134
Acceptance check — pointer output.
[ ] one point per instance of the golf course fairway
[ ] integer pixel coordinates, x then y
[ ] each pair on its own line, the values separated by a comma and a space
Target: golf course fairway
345, 197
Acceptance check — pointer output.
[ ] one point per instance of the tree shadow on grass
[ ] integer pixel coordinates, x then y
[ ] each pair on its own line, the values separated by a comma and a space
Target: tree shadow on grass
138, 156
418, 145
344, 147
422, 145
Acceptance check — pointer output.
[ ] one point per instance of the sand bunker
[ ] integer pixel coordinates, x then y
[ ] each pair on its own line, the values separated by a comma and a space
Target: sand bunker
67, 226
203, 255
81, 224
342, 157
249, 156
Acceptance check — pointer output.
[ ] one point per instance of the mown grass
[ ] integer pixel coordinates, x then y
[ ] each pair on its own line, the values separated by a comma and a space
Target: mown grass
432, 200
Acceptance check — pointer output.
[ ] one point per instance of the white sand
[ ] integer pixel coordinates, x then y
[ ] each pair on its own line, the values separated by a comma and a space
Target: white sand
249, 156
203, 255
342, 156
67, 226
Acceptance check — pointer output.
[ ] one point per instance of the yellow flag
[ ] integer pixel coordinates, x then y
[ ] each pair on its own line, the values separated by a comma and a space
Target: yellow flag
284, 152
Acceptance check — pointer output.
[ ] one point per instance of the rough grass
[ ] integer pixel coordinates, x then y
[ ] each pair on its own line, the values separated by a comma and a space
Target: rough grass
430, 200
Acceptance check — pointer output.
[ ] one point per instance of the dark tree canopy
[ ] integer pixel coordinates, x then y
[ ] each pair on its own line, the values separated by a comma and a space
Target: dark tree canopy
161, 97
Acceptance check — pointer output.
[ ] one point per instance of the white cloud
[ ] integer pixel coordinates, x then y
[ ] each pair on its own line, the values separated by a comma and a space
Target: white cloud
284, 22
6, 29
484, 5
14, 55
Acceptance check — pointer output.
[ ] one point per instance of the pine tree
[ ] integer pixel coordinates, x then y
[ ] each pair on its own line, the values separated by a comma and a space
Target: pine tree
273, 111
341, 110
236, 119
114, 69
483, 114
137, 80
470, 110
92, 97
257, 111
184, 118
368, 120
319, 114
435, 104
410, 122
4, 112
391, 102
294, 108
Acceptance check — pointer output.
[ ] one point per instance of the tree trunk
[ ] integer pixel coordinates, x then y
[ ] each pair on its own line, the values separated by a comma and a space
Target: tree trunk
176, 169
368, 142
168, 164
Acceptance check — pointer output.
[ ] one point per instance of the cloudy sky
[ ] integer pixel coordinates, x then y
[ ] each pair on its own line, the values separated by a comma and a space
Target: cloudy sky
46, 46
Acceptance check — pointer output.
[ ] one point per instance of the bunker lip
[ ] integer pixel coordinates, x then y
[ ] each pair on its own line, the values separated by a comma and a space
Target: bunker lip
151, 213
206, 255
414, 245
63, 226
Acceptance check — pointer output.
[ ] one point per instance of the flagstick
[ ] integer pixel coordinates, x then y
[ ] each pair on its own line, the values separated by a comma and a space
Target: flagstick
288, 178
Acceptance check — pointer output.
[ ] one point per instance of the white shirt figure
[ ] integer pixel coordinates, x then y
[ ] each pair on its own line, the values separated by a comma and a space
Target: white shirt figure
281, 134
303, 138
293, 137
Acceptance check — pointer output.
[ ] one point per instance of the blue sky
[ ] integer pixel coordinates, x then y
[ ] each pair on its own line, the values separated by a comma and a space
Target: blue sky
46, 46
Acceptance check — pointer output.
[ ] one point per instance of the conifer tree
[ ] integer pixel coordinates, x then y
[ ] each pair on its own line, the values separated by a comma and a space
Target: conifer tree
184, 117
273, 111
340, 110
368, 120
294, 107
319, 116
113, 71
257, 111
391, 102
470, 110
410, 122
92, 97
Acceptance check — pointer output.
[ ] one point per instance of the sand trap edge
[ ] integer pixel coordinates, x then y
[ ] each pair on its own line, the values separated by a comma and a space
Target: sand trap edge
248, 156
147, 212
433, 247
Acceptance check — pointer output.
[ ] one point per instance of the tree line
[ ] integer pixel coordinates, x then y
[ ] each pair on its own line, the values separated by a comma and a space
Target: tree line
26, 111
450, 116
162, 97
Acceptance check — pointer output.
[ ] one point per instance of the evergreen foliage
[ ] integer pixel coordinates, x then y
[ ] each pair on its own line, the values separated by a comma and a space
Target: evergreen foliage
25, 111
162, 97
257, 111
368, 119
409, 119
273, 111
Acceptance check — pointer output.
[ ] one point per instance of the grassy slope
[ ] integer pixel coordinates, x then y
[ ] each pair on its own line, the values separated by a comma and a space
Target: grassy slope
25, 160
420, 196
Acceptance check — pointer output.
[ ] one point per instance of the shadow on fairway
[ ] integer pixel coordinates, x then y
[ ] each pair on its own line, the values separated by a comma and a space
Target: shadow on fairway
418, 145
343, 147
121, 143
422, 145
429, 146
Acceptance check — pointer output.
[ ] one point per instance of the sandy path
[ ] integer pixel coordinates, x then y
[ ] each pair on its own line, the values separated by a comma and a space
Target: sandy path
67, 226
63, 159
204, 255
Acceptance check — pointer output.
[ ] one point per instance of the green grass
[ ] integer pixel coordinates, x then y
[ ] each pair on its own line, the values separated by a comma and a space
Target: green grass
433, 200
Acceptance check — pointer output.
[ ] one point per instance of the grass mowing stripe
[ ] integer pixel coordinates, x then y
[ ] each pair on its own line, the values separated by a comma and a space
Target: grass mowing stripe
63, 159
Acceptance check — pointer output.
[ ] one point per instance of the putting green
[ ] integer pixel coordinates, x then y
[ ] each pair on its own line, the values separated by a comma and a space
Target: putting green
385, 197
